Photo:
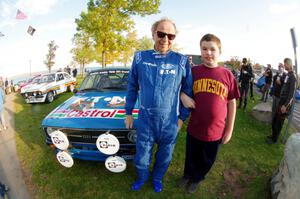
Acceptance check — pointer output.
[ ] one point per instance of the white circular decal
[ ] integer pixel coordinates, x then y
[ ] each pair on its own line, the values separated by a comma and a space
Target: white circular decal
108, 144
115, 164
65, 159
60, 140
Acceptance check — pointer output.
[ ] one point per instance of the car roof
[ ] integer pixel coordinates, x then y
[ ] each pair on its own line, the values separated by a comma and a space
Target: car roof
109, 69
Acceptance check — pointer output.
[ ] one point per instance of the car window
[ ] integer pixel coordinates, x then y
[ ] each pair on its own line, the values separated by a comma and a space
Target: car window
67, 76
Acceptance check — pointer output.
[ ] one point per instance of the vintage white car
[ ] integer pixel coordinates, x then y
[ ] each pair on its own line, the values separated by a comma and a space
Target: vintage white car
49, 86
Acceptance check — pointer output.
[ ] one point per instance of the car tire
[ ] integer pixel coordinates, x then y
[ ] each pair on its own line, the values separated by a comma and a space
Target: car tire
50, 97
71, 88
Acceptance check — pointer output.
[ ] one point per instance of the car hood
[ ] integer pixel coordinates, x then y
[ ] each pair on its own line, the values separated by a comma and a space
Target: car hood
39, 87
90, 110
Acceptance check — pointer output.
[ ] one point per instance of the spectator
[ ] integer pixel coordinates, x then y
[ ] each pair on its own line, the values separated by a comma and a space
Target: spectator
285, 101
68, 70
2, 101
191, 61
244, 81
74, 72
278, 81
157, 77
268, 79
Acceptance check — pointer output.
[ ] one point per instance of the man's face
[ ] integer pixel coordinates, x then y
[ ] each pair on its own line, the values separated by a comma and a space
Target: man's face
210, 53
163, 42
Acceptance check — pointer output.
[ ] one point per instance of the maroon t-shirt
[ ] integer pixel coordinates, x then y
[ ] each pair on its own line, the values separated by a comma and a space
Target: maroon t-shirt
213, 88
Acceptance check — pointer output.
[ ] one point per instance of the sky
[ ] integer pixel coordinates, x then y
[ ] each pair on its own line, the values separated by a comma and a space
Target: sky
257, 29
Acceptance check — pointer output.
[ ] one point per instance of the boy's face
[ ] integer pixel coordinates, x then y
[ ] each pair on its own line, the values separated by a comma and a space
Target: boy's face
210, 53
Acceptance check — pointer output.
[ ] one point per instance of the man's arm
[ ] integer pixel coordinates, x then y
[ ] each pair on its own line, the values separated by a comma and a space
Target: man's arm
231, 111
187, 88
132, 92
291, 94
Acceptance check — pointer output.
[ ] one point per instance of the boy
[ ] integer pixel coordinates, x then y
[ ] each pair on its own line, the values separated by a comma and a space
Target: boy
212, 119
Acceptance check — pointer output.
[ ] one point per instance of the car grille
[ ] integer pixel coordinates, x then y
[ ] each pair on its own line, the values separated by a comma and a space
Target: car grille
86, 139
90, 137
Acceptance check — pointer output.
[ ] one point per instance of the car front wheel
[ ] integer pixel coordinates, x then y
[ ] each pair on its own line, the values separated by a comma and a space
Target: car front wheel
49, 97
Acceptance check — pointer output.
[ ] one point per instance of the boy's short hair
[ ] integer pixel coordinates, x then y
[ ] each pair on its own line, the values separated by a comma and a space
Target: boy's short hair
211, 37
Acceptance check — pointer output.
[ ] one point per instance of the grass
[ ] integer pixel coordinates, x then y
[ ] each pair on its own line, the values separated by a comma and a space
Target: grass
242, 170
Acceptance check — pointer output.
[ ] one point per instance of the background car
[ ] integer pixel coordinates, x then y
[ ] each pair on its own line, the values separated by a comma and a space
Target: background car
48, 87
97, 108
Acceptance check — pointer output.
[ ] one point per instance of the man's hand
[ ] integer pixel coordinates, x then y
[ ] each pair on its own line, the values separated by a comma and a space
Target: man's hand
129, 121
187, 101
180, 123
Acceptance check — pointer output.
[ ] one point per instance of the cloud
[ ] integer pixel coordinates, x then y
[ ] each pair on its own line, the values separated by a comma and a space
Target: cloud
36, 7
283, 8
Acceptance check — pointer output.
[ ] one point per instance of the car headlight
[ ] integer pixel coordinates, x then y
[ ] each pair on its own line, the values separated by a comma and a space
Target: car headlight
50, 130
132, 136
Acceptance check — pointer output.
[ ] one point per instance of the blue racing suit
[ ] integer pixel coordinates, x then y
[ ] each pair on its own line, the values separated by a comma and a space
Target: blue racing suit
157, 80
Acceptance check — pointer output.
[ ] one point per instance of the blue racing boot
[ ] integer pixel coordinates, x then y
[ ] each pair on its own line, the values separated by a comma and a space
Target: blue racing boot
137, 185
157, 186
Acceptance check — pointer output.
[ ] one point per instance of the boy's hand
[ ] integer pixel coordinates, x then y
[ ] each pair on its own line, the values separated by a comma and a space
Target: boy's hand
180, 123
187, 101
226, 138
129, 121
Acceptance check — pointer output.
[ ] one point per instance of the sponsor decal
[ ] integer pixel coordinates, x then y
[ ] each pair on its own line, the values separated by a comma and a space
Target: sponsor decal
92, 113
167, 66
149, 64
167, 71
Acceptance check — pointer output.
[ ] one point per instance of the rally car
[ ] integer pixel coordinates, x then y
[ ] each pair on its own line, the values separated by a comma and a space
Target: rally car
90, 125
48, 87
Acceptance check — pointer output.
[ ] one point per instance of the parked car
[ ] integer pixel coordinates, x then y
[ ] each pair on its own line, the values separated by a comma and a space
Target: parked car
90, 124
297, 95
29, 83
48, 87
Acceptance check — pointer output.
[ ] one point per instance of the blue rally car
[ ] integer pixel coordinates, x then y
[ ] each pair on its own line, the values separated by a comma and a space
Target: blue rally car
90, 125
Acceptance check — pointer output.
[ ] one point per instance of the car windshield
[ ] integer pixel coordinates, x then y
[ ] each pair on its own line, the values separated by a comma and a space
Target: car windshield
109, 80
47, 78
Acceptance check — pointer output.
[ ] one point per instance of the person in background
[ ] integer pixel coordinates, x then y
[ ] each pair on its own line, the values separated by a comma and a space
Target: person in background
74, 72
278, 81
244, 82
211, 123
285, 101
157, 77
251, 84
268, 81
2, 101
191, 61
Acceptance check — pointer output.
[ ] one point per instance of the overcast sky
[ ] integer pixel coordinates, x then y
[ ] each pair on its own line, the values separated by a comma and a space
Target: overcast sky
257, 29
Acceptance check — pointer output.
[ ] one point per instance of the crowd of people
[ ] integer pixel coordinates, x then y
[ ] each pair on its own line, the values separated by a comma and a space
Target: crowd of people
170, 89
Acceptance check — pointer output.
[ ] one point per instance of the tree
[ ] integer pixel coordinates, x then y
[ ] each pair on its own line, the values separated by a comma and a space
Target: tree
234, 62
107, 22
82, 52
145, 43
49, 62
127, 49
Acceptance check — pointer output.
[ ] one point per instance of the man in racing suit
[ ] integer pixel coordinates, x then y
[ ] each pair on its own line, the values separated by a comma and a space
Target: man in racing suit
157, 77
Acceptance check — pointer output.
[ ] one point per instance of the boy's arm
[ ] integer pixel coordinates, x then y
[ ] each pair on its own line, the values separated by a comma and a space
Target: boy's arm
231, 111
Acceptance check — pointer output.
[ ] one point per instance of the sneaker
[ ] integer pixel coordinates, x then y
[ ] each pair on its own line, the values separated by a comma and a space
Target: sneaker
137, 185
157, 186
192, 188
182, 182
